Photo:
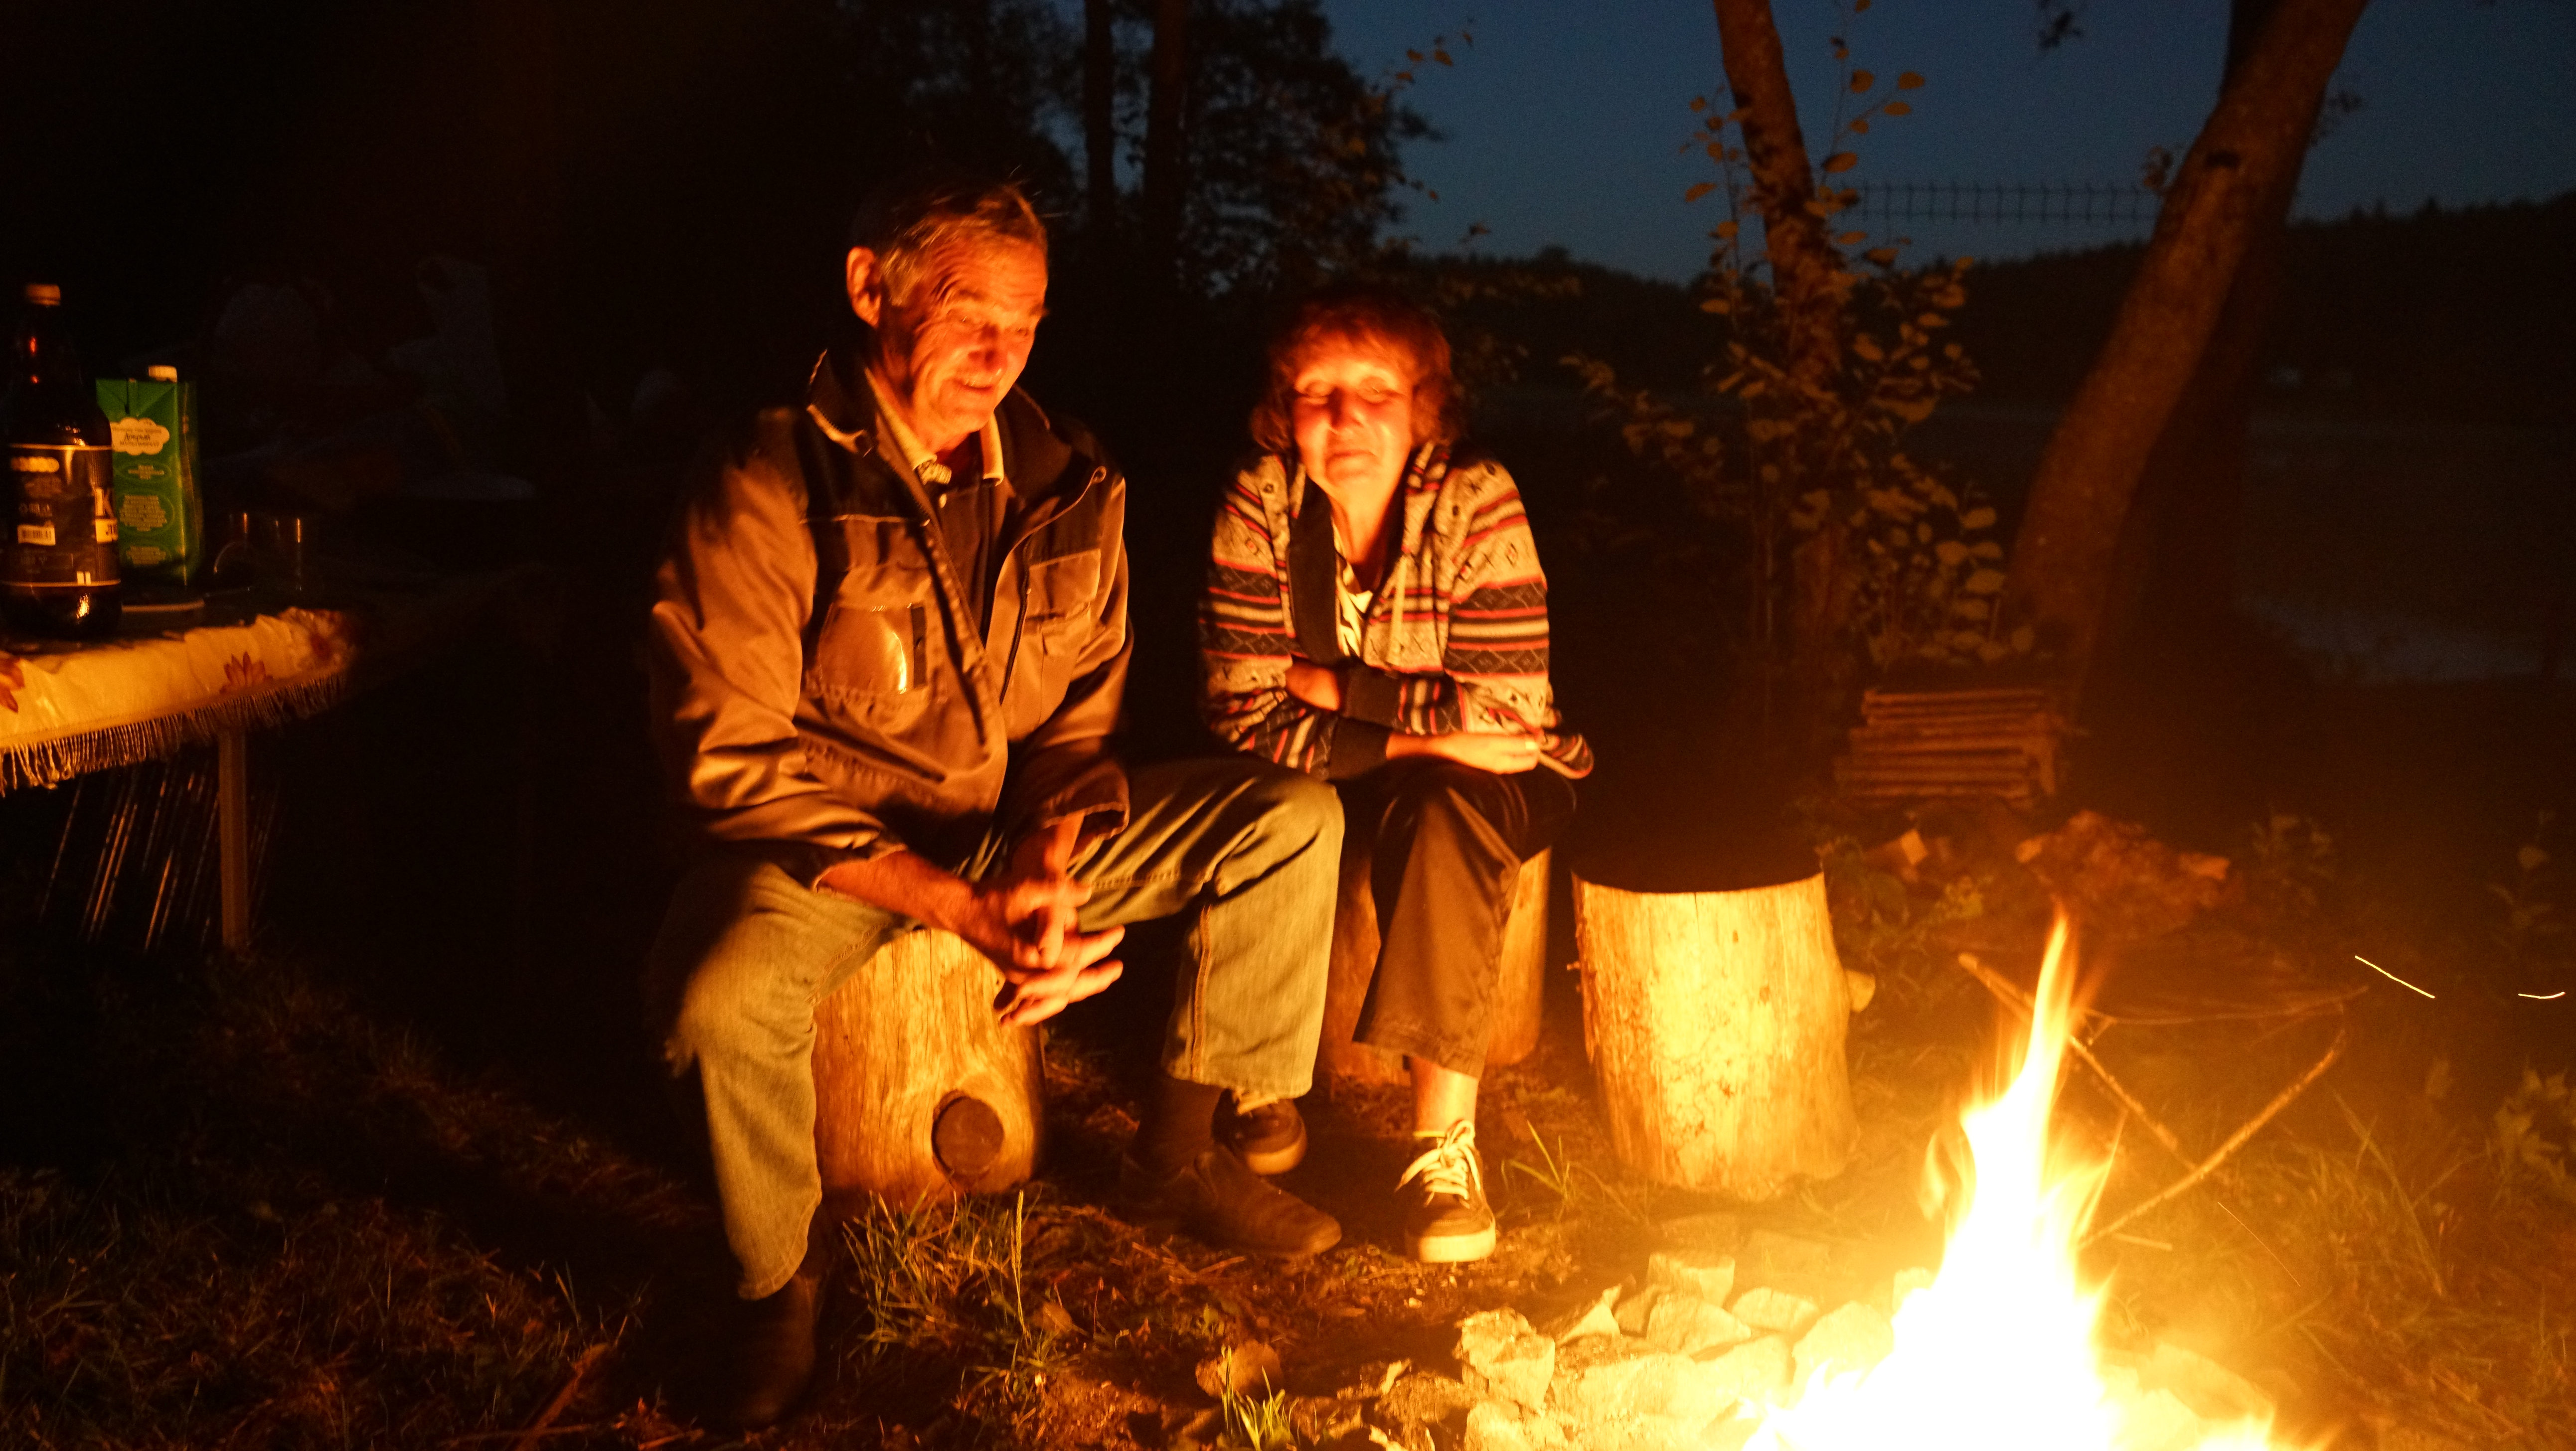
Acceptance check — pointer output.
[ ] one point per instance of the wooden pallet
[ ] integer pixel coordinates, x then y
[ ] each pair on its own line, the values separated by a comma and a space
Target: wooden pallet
1918, 744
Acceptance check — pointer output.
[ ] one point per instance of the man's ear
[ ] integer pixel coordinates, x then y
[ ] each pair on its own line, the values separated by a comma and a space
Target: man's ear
867, 285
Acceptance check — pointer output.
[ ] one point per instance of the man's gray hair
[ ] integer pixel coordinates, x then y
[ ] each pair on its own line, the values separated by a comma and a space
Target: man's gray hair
906, 219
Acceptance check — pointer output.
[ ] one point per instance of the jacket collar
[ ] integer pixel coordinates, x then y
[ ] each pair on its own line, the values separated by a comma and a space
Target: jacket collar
840, 402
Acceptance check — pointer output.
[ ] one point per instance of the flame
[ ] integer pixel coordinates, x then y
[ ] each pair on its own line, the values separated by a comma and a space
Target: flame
1998, 1351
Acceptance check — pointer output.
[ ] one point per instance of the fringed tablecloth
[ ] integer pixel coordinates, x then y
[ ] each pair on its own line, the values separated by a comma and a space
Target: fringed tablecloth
135, 698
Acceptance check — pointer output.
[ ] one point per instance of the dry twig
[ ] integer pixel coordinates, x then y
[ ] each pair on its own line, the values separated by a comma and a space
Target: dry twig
536, 1432
1995, 982
2235, 1141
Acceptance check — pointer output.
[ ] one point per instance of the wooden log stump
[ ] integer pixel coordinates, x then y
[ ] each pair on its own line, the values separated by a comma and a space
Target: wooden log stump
919, 1093
1519, 989
1715, 1021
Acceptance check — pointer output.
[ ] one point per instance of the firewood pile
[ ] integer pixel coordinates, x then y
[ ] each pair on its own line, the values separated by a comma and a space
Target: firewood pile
1914, 744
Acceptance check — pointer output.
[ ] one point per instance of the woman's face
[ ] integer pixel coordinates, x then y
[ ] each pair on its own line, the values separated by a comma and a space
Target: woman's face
1353, 415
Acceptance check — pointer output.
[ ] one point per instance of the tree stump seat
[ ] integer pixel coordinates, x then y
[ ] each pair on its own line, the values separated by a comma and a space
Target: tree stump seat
1519, 990
1716, 1022
919, 1093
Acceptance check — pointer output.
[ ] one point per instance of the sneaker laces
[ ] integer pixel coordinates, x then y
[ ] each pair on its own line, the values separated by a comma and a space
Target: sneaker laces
1450, 1166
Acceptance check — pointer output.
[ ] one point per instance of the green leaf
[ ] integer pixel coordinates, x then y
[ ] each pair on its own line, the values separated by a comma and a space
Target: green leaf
1985, 582
1840, 161
1978, 518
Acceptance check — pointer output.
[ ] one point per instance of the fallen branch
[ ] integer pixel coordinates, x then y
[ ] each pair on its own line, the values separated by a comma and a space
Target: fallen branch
2235, 1141
1995, 982
537, 1431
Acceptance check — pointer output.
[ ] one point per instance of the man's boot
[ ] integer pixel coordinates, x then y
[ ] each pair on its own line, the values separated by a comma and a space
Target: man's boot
773, 1355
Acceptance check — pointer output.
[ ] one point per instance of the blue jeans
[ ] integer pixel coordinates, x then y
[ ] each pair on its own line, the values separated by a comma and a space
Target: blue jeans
747, 950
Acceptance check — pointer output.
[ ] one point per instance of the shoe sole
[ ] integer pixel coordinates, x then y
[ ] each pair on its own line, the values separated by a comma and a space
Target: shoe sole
1451, 1249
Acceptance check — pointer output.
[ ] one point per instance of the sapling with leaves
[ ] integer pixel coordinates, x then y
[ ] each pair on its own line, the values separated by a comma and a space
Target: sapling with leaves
1864, 557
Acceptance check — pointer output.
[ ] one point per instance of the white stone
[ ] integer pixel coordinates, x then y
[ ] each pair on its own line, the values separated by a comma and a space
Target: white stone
2158, 1421
1853, 1338
1635, 1308
2212, 1390
1597, 1318
1491, 1427
1700, 1273
1906, 1282
1506, 1360
1757, 1370
1687, 1326
1765, 1308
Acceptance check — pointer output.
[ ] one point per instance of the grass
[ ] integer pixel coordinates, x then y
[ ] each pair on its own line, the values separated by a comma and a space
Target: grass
299, 1226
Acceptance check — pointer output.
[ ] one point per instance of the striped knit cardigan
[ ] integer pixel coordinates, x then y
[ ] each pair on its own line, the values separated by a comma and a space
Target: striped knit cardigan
1456, 639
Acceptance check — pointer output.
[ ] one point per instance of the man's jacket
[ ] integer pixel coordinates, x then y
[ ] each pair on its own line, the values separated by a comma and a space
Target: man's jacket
1454, 640
818, 677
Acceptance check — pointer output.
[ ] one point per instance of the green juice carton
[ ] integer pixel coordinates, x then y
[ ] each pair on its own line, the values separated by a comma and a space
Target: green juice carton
160, 523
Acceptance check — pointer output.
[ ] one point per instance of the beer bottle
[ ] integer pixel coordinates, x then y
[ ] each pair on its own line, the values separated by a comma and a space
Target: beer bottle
58, 572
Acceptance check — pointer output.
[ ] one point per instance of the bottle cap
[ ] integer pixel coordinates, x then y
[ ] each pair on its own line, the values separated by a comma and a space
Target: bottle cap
44, 294
162, 373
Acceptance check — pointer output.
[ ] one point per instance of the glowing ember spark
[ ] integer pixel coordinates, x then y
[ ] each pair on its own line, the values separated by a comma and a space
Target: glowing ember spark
2544, 997
2384, 972
1998, 1352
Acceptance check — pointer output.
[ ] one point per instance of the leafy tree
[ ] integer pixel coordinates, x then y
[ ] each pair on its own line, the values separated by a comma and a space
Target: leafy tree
1266, 160
1862, 558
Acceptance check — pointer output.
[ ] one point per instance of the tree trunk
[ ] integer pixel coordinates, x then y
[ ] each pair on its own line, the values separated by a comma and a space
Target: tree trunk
1100, 113
919, 1092
1519, 986
1165, 137
2178, 554
2062, 569
1804, 266
1715, 1021
1807, 284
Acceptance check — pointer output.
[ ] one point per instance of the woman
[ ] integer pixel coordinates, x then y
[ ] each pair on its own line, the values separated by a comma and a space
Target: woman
1375, 615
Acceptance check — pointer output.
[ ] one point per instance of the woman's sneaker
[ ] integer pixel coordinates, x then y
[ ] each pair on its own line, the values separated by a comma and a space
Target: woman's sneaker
1269, 1136
1447, 1219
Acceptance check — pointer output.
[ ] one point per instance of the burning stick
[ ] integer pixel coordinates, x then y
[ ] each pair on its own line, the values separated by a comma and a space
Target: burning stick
1994, 982
2235, 1141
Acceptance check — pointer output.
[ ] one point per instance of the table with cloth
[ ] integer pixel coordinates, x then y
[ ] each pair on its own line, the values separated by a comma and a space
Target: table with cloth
239, 667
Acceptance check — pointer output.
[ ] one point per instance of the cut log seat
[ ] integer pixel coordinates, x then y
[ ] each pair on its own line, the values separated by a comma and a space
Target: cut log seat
1519, 990
919, 1093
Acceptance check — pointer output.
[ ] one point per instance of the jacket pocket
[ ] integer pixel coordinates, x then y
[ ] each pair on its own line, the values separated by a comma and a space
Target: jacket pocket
1063, 601
872, 665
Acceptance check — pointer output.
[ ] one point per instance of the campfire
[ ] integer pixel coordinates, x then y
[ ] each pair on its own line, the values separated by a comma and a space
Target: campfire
1998, 1350
2000, 1347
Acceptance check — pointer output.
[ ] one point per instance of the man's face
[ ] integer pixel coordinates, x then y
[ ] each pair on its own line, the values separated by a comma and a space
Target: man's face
951, 349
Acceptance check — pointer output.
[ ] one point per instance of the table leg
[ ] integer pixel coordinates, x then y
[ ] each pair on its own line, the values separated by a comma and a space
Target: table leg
232, 833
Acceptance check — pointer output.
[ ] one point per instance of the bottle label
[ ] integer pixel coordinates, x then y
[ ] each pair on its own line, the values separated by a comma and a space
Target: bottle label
61, 495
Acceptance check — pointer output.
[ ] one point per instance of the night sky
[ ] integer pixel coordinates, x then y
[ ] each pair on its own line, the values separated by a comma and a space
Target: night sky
1563, 120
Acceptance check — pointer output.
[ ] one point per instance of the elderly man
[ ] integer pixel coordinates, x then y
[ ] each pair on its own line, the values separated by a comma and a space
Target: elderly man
887, 658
